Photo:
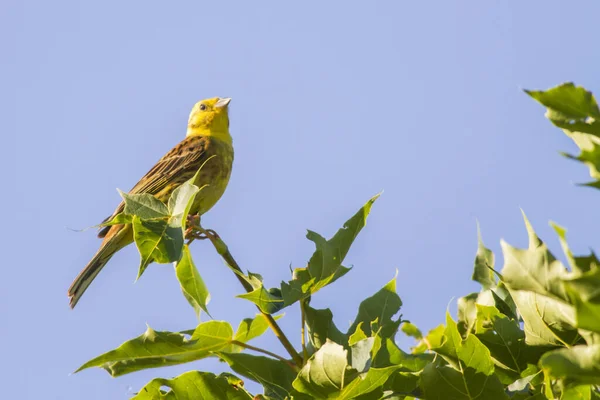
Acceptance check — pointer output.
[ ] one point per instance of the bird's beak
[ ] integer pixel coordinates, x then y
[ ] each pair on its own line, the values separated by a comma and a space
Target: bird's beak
223, 102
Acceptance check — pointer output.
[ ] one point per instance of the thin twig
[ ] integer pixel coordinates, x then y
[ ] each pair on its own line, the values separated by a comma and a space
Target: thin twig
267, 352
223, 251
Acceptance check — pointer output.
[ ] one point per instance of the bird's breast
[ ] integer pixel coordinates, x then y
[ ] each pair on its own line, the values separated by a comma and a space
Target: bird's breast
213, 176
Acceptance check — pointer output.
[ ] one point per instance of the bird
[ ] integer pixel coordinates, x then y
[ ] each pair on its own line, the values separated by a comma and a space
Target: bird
207, 145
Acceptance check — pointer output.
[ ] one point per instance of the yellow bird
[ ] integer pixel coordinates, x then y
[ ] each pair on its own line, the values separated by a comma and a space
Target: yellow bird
208, 145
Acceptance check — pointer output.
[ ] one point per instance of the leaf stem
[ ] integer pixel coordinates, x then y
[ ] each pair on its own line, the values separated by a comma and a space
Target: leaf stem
223, 251
302, 329
267, 352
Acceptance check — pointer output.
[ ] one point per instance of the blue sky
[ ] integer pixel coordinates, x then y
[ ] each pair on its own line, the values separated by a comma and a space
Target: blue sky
331, 104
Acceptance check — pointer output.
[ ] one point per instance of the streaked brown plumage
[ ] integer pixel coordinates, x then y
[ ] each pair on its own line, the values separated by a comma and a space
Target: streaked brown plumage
207, 145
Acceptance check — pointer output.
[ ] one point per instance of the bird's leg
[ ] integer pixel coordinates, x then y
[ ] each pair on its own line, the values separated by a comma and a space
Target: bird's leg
203, 234
199, 236
196, 231
193, 220
193, 223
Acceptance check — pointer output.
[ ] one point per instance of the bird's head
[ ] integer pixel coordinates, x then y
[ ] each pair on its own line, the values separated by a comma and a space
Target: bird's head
210, 118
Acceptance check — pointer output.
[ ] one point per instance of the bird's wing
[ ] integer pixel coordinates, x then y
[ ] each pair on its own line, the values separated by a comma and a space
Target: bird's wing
175, 168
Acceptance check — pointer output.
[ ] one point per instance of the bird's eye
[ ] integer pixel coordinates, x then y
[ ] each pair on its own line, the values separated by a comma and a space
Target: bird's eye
202, 107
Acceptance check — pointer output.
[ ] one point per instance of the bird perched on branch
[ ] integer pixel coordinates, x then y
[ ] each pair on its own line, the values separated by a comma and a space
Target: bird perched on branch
208, 145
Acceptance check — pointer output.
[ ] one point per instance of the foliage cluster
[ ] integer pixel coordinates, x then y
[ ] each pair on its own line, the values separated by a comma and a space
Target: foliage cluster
532, 332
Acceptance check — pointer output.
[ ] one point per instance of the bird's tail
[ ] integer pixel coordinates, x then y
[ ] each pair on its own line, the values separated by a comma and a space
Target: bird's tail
111, 244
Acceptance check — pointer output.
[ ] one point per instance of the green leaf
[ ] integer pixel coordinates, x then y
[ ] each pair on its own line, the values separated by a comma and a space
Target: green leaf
433, 339
401, 383
535, 270
573, 366
213, 334
420, 348
457, 351
194, 385
575, 110
366, 383
547, 322
571, 108
527, 396
535, 280
569, 99
158, 228
180, 202
497, 297
360, 353
269, 301
192, 285
467, 313
274, 375
534, 240
323, 375
251, 328
503, 301
522, 384
344, 237
406, 362
447, 383
357, 336
505, 341
584, 290
325, 265
579, 264
578, 393
586, 263
159, 349
157, 240
382, 306
484, 263
533, 370
502, 336
470, 373
589, 155
582, 287
145, 206
411, 330
320, 328
435, 336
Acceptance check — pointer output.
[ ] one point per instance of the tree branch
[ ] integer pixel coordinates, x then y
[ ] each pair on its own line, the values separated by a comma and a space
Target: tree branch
223, 251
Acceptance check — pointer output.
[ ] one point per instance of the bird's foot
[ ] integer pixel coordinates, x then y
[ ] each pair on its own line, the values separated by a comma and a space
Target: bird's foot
193, 220
205, 234
193, 226
196, 231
